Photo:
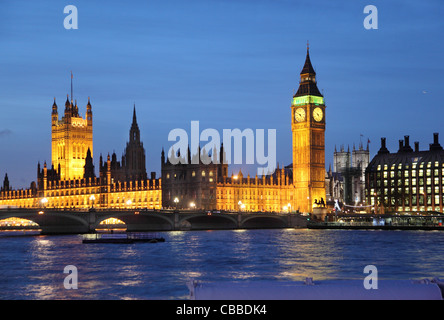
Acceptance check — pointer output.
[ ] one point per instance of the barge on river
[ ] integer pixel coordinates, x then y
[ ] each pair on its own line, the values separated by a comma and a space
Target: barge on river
127, 237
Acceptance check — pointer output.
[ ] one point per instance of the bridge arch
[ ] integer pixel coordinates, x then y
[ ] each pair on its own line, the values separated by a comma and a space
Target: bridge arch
208, 221
15, 222
259, 221
51, 221
138, 222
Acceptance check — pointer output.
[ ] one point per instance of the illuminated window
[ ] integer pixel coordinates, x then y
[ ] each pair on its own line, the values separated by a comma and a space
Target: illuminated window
429, 199
193, 174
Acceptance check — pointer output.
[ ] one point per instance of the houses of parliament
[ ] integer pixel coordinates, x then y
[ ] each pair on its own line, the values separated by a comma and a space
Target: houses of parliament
70, 181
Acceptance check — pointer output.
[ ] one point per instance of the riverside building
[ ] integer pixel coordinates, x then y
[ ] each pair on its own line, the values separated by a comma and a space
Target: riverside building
409, 180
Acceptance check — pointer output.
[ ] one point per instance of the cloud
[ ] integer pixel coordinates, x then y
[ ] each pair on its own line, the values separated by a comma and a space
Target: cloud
5, 132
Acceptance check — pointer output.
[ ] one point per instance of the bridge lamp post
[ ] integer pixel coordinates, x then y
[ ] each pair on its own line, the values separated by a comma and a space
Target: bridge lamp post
240, 205
44, 201
192, 205
176, 201
129, 202
289, 207
92, 198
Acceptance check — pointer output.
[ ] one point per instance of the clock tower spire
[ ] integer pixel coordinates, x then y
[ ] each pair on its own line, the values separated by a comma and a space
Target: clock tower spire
308, 130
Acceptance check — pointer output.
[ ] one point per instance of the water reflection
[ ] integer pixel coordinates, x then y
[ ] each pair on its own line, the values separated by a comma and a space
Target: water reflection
32, 267
242, 239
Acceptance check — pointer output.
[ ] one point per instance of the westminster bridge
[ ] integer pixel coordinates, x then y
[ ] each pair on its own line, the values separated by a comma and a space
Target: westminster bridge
57, 221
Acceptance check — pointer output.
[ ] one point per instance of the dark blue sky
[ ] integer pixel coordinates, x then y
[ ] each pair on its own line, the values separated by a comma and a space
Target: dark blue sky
229, 64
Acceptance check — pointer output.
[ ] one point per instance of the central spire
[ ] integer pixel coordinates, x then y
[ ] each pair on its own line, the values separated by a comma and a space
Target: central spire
134, 131
134, 116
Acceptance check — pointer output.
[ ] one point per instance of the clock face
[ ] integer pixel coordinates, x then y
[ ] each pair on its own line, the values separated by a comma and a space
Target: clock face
299, 114
318, 114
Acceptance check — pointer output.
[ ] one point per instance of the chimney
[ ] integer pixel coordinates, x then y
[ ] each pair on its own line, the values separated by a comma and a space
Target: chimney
401, 145
435, 145
383, 147
416, 146
406, 140
407, 147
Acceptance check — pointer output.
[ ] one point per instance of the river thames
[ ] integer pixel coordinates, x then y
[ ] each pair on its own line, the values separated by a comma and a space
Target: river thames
31, 267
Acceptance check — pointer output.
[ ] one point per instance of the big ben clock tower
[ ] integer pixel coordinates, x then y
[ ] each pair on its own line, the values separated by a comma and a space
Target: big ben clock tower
308, 128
